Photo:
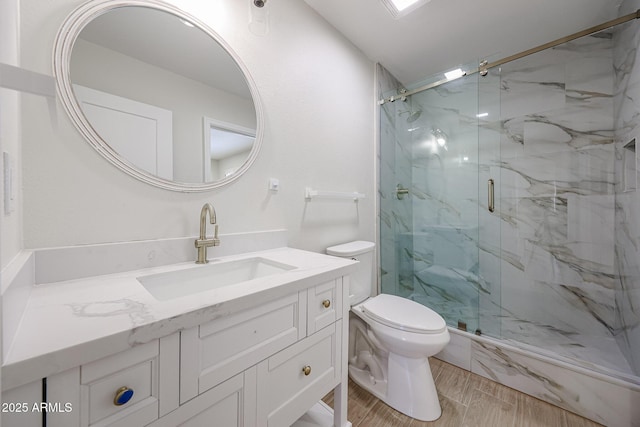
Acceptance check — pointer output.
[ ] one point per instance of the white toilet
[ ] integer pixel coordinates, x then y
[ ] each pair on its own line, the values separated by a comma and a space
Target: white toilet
390, 340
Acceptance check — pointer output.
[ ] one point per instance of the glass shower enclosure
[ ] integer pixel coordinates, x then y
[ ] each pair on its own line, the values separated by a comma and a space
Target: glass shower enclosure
507, 200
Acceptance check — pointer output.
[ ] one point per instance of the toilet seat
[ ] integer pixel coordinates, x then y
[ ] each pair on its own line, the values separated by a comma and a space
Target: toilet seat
403, 314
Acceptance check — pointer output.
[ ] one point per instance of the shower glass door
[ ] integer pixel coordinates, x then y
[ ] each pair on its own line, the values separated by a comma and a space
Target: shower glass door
558, 201
429, 188
550, 262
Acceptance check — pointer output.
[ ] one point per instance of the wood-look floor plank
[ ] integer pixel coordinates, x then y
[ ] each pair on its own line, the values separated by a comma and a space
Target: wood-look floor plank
382, 415
493, 388
436, 366
467, 400
574, 420
452, 382
452, 415
532, 412
485, 410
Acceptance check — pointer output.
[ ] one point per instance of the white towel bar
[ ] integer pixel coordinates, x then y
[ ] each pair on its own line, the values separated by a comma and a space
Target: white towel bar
312, 194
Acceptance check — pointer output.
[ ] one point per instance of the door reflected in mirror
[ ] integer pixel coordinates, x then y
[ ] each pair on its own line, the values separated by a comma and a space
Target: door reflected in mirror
227, 147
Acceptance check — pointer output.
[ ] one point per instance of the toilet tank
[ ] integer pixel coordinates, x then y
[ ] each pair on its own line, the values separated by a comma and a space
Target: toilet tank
361, 282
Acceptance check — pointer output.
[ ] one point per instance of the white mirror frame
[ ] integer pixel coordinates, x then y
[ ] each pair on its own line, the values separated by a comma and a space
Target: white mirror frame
65, 40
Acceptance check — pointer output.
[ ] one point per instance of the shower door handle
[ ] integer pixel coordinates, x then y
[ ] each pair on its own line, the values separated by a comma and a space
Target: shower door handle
401, 192
491, 201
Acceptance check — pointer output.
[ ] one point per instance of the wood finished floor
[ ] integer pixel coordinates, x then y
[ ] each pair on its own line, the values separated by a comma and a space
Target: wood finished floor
467, 400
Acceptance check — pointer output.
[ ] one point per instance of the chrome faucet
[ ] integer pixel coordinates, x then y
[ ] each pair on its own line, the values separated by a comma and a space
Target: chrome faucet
202, 243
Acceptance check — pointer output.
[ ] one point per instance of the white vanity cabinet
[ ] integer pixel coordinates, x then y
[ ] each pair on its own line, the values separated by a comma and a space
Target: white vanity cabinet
262, 366
290, 350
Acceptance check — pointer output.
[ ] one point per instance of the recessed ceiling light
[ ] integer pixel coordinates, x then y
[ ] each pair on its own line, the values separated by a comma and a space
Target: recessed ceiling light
454, 74
399, 8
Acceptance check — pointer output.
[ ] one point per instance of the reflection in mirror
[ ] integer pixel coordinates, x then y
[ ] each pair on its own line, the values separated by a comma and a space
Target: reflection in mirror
144, 80
228, 146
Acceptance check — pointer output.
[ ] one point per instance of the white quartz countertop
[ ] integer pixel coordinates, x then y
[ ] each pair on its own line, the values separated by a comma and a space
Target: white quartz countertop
66, 324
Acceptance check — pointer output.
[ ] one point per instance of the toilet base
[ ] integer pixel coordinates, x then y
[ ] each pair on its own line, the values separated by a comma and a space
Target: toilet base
364, 379
409, 387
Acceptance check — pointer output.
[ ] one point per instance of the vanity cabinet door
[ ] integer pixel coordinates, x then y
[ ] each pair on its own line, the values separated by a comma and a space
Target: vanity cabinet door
229, 404
213, 352
324, 305
293, 380
119, 390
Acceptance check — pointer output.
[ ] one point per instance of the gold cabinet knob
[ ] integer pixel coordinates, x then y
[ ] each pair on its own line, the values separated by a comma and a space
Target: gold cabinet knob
326, 303
306, 370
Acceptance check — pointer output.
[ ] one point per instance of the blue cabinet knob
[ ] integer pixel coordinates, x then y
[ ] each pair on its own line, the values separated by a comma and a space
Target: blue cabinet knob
123, 395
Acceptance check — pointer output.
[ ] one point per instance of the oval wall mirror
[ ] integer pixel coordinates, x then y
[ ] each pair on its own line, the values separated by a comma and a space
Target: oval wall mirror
158, 93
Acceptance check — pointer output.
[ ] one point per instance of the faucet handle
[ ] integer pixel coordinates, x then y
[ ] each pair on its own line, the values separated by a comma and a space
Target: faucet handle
216, 241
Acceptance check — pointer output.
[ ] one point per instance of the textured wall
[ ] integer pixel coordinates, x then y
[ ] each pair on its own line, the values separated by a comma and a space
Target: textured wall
317, 93
11, 225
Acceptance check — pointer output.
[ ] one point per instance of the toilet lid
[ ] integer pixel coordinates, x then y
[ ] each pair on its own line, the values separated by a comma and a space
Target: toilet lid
404, 314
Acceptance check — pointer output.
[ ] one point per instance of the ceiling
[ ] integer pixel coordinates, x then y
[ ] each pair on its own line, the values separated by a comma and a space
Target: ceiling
444, 34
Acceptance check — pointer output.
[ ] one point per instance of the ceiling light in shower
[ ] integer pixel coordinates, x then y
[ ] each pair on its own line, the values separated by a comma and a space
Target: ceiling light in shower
454, 74
400, 8
440, 137
481, 115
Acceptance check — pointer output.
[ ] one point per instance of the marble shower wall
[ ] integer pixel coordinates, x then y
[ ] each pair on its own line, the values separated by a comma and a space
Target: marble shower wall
396, 261
627, 234
557, 210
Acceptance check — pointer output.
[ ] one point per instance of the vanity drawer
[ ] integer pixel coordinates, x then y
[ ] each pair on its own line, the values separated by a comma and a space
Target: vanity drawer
285, 390
217, 350
324, 305
135, 371
230, 404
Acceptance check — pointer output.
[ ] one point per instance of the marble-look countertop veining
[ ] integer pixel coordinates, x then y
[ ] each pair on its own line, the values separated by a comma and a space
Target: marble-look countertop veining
69, 323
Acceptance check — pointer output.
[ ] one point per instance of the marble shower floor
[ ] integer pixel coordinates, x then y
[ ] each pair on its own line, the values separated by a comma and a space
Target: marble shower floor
600, 353
467, 400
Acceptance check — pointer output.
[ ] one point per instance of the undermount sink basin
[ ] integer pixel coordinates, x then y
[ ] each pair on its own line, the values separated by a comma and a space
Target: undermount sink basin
175, 284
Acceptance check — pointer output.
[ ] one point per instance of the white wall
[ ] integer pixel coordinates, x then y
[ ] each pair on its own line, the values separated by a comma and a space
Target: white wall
317, 94
231, 163
10, 225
